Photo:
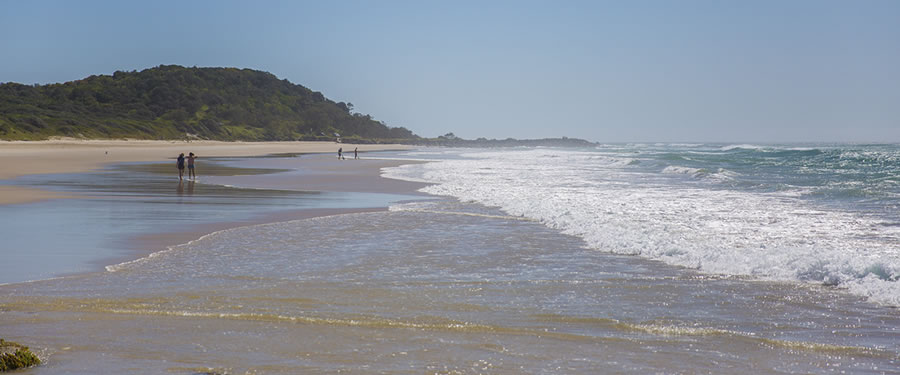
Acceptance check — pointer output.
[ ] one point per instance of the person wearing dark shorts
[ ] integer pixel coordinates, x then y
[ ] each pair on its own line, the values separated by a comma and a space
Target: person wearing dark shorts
180, 165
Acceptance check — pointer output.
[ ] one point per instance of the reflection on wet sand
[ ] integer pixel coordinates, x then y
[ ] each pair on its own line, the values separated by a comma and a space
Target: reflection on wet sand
180, 189
136, 200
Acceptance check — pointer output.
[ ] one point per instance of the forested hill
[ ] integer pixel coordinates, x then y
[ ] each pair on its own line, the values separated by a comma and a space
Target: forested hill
174, 102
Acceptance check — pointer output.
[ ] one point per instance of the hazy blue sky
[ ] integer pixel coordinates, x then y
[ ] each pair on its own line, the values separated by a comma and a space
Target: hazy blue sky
730, 71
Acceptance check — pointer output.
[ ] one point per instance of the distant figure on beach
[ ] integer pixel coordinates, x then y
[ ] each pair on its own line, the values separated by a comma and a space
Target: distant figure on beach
180, 165
355, 153
190, 160
341, 153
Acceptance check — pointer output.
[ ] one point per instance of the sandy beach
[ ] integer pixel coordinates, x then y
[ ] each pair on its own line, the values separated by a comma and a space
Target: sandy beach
295, 264
78, 159
74, 156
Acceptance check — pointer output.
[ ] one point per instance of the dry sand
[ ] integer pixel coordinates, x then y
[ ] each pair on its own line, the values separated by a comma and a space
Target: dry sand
73, 155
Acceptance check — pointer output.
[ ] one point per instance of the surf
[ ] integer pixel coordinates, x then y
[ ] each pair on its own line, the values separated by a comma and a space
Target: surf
715, 224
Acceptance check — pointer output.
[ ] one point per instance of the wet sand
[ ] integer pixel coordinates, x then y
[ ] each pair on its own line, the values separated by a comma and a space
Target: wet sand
317, 173
18, 194
129, 211
323, 173
74, 156
150, 242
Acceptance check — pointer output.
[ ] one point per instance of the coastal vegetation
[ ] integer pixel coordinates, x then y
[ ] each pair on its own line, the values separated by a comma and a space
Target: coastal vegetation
171, 102
14, 356
175, 102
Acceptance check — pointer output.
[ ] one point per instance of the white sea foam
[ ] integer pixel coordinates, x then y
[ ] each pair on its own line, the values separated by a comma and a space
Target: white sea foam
720, 175
426, 153
723, 174
766, 235
743, 146
169, 249
674, 169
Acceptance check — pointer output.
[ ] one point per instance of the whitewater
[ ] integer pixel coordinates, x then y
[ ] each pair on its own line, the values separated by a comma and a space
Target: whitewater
821, 214
632, 259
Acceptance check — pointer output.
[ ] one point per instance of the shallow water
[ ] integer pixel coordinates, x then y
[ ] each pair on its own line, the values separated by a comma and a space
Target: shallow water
435, 287
66, 236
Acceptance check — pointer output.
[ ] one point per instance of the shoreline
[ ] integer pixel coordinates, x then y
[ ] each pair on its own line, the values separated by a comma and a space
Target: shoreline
143, 245
317, 171
446, 276
22, 158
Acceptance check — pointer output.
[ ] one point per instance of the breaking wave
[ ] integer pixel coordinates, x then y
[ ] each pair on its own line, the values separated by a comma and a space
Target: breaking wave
617, 206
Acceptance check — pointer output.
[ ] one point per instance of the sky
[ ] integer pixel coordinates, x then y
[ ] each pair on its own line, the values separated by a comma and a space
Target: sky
605, 71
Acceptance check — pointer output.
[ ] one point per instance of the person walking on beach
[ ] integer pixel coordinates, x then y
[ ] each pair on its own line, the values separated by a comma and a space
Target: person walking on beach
190, 160
180, 165
355, 153
341, 153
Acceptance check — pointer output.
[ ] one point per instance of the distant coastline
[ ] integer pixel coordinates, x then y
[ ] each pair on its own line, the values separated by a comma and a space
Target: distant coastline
172, 103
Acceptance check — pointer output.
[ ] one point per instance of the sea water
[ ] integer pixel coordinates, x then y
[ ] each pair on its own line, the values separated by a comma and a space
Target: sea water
620, 259
825, 214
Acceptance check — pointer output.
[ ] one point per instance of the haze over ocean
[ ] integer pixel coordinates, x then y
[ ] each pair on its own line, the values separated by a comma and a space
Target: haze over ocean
764, 71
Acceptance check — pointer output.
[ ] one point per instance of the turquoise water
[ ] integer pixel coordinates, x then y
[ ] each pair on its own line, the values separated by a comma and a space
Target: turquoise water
862, 178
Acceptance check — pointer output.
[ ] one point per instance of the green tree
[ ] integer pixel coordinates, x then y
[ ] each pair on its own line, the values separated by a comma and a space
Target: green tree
168, 100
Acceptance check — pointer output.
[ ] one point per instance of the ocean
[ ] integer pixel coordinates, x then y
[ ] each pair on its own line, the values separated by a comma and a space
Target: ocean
638, 258
821, 214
